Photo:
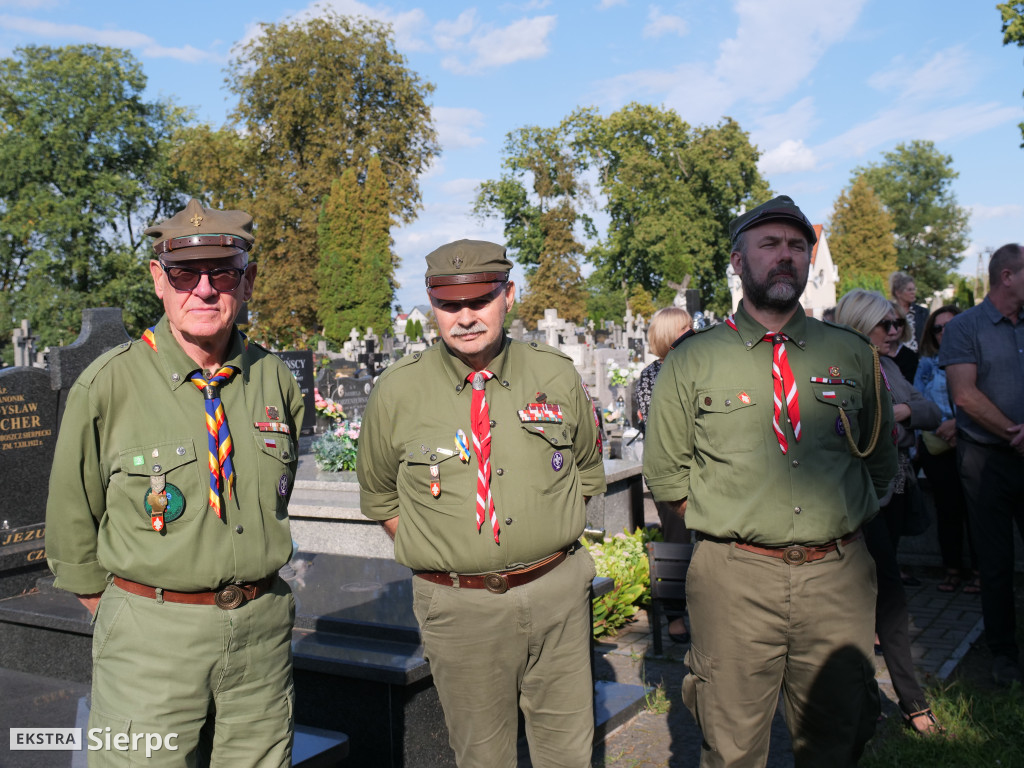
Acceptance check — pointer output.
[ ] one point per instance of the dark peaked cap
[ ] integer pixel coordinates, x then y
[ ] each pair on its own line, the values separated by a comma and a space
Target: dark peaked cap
782, 208
466, 269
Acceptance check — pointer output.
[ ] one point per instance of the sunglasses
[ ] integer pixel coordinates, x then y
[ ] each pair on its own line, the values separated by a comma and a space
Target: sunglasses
222, 279
888, 325
937, 328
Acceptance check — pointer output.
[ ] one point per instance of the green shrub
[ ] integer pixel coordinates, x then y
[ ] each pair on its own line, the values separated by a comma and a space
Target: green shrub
335, 450
622, 558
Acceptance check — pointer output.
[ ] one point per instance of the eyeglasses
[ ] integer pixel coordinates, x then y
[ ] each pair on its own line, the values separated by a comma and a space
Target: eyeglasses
888, 325
937, 328
222, 279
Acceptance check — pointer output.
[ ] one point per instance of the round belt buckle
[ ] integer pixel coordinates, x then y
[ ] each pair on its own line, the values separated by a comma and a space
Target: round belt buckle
795, 555
230, 597
495, 582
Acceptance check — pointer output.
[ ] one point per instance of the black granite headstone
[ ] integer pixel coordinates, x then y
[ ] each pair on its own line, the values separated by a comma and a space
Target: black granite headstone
301, 366
102, 329
28, 433
353, 395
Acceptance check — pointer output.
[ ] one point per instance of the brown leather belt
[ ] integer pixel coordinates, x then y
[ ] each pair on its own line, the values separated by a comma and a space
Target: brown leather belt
793, 554
499, 581
229, 597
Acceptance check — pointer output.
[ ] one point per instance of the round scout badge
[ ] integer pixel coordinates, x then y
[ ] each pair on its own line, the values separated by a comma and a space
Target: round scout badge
164, 506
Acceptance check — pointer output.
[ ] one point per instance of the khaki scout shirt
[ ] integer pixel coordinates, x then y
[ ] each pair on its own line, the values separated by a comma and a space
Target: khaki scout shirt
134, 413
540, 472
710, 436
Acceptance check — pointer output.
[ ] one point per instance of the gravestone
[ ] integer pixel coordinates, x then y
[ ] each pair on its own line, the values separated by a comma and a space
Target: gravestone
102, 329
28, 433
300, 363
368, 358
352, 395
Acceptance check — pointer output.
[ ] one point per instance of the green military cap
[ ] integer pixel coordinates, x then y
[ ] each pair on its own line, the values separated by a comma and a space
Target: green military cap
202, 233
466, 269
782, 208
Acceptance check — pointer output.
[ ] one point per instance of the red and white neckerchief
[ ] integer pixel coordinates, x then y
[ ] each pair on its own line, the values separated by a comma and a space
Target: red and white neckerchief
784, 385
480, 422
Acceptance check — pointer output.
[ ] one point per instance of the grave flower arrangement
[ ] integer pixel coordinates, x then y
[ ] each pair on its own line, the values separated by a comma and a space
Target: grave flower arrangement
335, 450
621, 375
326, 407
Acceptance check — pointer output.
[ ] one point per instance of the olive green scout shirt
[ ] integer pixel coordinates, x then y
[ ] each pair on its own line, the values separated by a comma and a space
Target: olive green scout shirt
540, 471
710, 436
133, 414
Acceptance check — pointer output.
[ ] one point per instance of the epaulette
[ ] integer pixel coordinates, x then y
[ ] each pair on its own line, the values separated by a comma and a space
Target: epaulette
538, 347
848, 329
101, 362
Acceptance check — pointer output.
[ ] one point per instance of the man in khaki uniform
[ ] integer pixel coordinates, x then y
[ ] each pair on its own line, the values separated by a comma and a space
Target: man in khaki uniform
772, 433
167, 515
477, 456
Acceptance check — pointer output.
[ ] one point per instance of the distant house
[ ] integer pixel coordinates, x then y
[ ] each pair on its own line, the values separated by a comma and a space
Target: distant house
820, 293
418, 313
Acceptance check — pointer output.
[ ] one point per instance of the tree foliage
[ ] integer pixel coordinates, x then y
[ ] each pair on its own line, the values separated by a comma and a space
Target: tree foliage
1013, 32
355, 275
914, 183
861, 238
83, 170
316, 97
671, 190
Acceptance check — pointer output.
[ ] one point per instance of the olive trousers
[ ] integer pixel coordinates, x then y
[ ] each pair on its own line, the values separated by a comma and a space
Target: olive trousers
760, 626
529, 648
215, 686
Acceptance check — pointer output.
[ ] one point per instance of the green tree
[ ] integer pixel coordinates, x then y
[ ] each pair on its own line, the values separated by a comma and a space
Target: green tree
418, 330
1013, 32
671, 192
541, 223
316, 97
914, 183
84, 168
356, 268
860, 238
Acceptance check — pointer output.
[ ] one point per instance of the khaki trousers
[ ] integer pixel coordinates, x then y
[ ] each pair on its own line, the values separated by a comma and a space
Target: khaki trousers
760, 626
220, 680
528, 649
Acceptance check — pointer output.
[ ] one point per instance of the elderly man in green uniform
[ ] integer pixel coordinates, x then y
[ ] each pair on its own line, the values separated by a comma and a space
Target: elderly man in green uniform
167, 515
772, 433
477, 457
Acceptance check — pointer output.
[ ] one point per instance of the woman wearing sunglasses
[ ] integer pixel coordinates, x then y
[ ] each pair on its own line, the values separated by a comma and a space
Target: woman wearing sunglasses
937, 453
878, 319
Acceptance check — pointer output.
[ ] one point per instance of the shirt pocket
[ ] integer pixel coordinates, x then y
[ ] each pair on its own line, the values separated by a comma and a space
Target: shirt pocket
276, 454
732, 420
456, 479
828, 426
186, 478
547, 461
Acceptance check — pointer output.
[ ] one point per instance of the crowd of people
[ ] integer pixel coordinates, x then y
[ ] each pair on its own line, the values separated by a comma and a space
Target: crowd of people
788, 448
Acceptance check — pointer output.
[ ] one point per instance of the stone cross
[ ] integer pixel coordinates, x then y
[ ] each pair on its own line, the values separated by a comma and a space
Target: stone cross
369, 359
24, 345
551, 324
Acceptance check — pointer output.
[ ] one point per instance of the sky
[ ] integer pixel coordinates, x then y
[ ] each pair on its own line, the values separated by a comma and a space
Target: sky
821, 87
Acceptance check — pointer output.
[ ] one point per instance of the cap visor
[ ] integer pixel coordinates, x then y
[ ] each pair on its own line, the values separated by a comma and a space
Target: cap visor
461, 291
199, 252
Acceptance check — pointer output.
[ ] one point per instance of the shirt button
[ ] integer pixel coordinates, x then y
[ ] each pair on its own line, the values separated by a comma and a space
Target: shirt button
504, 384
508, 521
493, 423
157, 468
796, 462
284, 455
175, 377
239, 529
499, 471
433, 457
797, 510
180, 450
749, 344
728, 402
707, 401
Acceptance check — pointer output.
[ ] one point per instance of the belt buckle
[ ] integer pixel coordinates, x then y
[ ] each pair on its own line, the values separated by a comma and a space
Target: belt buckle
496, 583
795, 555
230, 597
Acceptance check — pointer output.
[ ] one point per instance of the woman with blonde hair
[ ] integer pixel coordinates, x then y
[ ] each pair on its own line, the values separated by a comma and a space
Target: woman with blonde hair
667, 329
881, 321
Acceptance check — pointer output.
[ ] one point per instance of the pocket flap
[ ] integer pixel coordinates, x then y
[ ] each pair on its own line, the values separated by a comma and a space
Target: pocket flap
158, 458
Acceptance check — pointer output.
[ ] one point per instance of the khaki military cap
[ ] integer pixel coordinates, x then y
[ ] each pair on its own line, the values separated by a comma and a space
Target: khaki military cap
782, 208
202, 233
466, 269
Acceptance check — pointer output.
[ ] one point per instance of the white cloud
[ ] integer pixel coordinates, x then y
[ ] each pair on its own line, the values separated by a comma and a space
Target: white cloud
948, 72
409, 27
795, 124
1008, 211
141, 43
496, 47
456, 126
447, 34
788, 157
660, 24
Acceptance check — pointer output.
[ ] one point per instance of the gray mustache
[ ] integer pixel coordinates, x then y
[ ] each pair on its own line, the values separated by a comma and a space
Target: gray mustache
477, 327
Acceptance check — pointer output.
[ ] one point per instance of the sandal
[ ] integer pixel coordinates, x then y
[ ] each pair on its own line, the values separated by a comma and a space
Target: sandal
951, 583
931, 725
973, 587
